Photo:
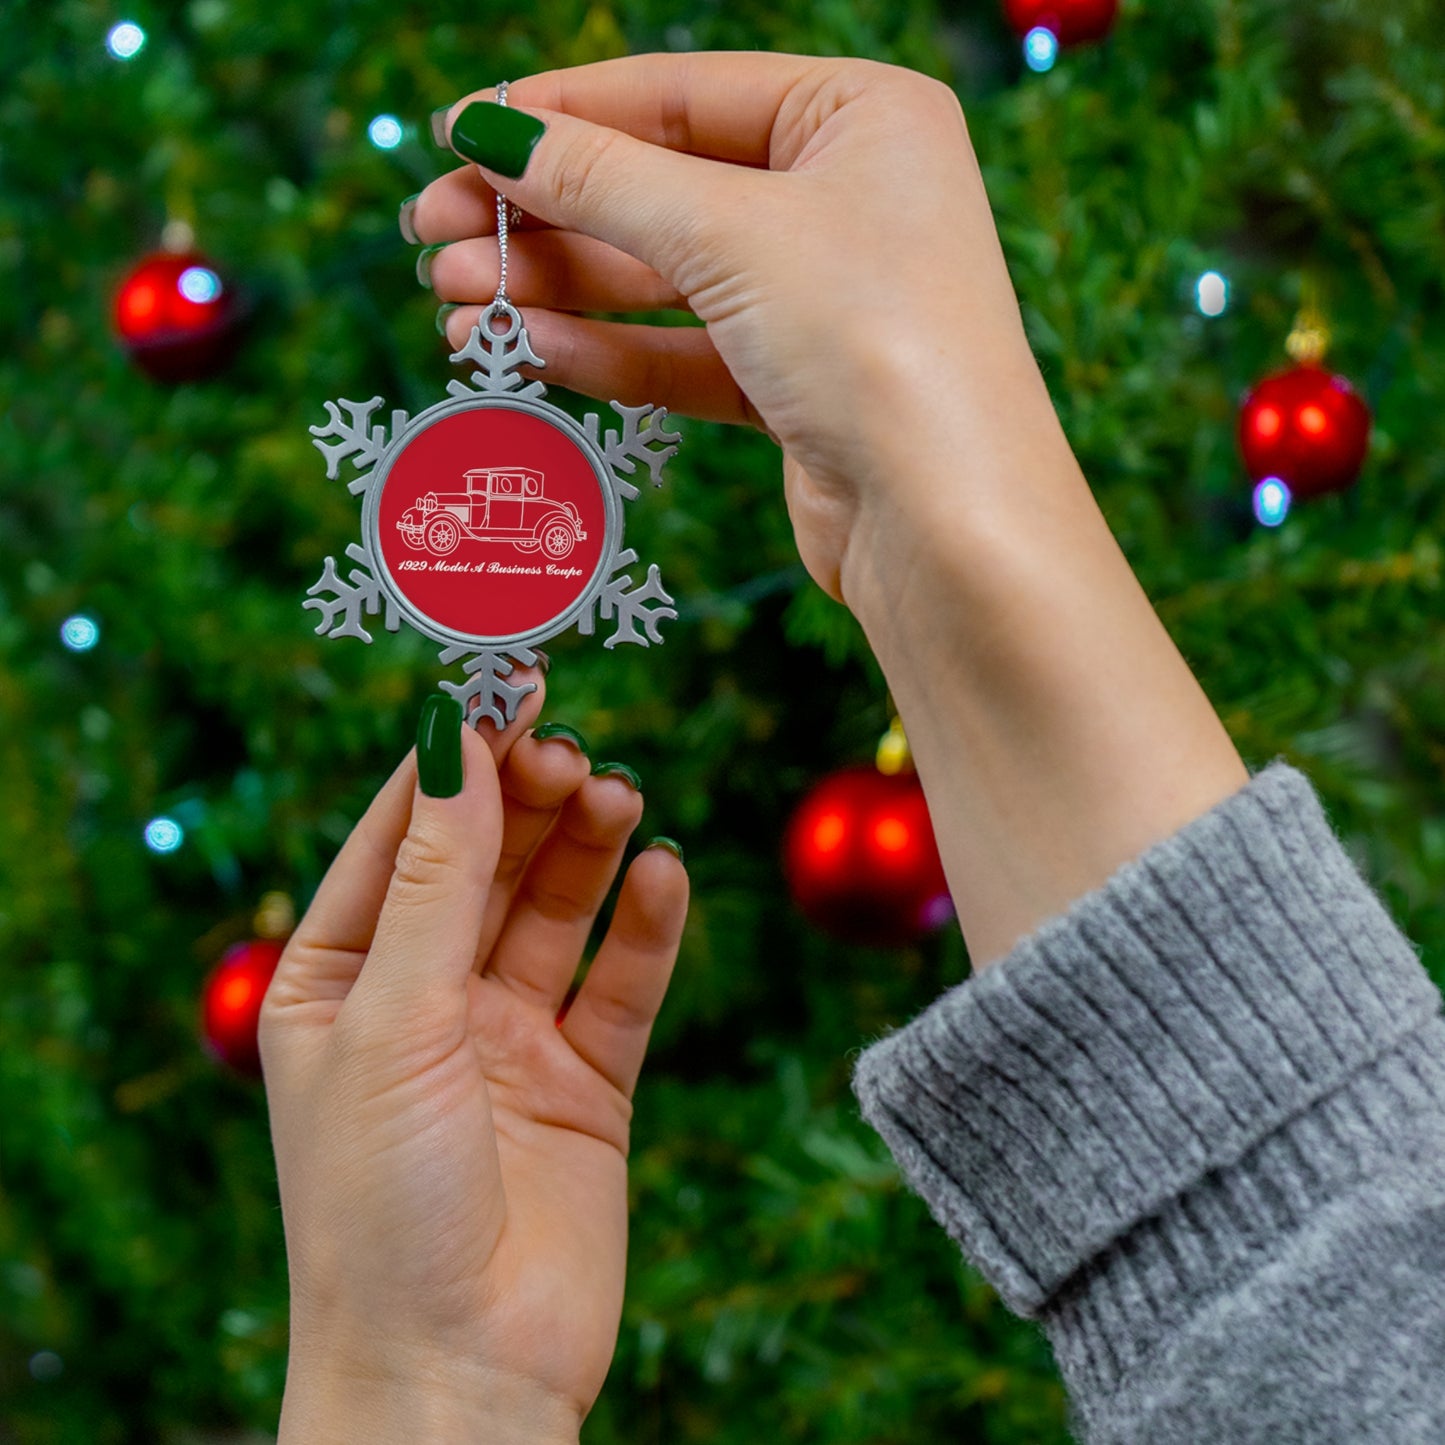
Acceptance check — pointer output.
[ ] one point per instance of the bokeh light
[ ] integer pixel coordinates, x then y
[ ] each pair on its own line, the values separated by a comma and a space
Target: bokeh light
164, 835
126, 40
199, 284
1271, 501
1041, 48
385, 132
80, 633
1211, 293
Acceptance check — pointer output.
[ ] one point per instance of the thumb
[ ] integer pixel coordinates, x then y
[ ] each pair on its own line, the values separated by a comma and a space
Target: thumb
656, 204
422, 952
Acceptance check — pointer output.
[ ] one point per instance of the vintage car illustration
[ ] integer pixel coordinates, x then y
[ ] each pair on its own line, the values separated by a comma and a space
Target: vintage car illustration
500, 504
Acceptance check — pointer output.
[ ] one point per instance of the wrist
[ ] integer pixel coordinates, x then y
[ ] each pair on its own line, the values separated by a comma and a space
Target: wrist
339, 1400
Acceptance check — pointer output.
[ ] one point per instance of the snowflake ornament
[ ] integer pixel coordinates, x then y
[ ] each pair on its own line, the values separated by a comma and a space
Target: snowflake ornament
492, 521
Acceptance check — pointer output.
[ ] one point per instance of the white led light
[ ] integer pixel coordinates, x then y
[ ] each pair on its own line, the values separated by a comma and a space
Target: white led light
125, 40
199, 284
1041, 48
164, 835
1211, 293
385, 132
79, 633
1271, 501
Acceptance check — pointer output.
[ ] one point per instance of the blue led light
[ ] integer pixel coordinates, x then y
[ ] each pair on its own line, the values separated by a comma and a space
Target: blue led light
126, 40
199, 284
79, 633
1041, 48
1271, 501
385, 132
1211, 294
164, 835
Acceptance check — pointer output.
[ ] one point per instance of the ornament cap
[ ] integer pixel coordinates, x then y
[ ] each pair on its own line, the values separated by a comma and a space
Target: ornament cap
894, 755
1310, 339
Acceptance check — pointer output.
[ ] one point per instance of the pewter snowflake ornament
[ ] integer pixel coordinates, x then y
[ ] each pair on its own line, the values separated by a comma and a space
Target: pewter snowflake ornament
492, 521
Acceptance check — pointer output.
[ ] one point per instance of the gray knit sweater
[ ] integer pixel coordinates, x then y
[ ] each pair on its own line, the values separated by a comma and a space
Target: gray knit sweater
1195, 1126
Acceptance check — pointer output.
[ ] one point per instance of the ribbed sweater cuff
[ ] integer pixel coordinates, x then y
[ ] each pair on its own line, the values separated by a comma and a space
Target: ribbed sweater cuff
1214, 988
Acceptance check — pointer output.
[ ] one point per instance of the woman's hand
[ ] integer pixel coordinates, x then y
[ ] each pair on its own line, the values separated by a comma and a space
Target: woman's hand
828, 222
452, 1159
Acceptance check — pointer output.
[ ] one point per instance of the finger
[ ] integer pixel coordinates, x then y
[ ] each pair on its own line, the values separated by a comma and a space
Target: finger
724, 105
611, 1019
501, 741
564, 887
461, 204
413, 983
557, 269
673, 366
324, 954
539, 776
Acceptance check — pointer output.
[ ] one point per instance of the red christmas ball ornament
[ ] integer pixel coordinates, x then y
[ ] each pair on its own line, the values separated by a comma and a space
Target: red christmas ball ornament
1307, 427
176, 317
231, 1003
861, 861
1071, 22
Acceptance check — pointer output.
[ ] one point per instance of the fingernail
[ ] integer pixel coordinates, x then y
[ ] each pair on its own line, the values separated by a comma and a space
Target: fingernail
671, 844
443, 312
439, 746
496, 136
439, 125
543, 661
561, 730
404, 220
618, 770
423, 263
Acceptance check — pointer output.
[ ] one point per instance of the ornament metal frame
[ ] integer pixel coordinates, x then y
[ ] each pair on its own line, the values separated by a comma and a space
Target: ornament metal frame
614, 456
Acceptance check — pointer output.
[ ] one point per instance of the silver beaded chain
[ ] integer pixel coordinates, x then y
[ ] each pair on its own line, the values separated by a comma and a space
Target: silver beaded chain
501, 299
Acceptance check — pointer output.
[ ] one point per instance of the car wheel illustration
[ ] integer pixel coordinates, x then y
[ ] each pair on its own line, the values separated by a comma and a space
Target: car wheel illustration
442, 534
412, 538
558, 538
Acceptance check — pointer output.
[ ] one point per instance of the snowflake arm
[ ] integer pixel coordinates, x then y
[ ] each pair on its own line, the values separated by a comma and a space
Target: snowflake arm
630, 606
341, 613
643, 438
498, 355
359, 440
486, 693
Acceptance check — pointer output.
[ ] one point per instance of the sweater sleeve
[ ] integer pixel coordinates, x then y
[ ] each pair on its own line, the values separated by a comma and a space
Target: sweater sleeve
1195, 1126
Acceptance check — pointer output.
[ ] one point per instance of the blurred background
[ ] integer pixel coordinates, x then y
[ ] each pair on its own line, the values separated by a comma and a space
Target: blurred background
1212, 210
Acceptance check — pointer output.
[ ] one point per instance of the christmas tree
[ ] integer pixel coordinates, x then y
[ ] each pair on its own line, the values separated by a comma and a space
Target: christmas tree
179, 745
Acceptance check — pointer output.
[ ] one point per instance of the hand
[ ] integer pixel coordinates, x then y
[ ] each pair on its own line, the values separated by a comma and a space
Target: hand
826, 219
452, 1159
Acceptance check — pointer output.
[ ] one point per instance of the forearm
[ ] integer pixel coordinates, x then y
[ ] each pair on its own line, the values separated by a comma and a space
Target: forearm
1057, 730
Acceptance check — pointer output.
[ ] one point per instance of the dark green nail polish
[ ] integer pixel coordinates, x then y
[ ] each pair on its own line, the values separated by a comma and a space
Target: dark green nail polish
496, 136
405, 222
439, 125
423, 263
443, 312
561, 730
439, 747
671, 844
617, 770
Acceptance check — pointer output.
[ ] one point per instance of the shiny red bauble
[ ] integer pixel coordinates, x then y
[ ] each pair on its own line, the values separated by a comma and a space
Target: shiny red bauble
231, 1003
176, 317
1307, 427
861, 861
1073, 22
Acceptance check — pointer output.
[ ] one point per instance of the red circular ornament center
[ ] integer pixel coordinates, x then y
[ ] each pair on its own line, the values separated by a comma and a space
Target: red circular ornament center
491, 522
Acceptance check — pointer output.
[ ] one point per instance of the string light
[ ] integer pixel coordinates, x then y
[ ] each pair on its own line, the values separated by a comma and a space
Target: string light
1271, 501
164, 835
1211, 294
79, 633
199, 284
1041, 48
126, 40
385, 132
